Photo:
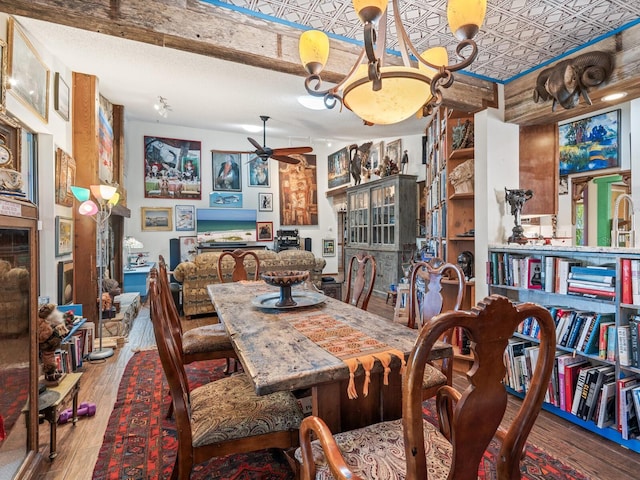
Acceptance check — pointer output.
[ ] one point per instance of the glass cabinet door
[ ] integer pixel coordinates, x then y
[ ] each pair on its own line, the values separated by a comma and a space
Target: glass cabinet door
359, 217
384, 215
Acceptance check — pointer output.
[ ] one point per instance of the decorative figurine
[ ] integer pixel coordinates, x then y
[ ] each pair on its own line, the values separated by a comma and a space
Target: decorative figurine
516, 198
465, 262
404, 163
51, 331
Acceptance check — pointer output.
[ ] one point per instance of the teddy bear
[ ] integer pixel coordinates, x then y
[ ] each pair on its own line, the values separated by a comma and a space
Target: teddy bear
51, 331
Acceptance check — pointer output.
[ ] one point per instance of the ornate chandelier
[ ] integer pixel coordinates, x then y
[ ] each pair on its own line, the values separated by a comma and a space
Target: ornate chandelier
389, 94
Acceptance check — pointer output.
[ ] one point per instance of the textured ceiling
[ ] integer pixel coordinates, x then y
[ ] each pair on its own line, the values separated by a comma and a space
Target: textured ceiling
517, 35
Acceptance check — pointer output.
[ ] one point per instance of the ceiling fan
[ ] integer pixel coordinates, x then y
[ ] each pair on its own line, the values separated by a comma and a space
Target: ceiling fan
264, 153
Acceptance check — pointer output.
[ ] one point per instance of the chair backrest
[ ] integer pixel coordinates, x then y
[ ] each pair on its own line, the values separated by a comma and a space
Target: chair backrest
173, 368
425, 292
471, 419
360, 284
171, 312
239, 270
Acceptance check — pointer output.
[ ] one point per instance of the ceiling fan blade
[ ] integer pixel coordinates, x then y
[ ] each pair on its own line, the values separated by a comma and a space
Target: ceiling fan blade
285, 159
255, 143
291, 150
232, 151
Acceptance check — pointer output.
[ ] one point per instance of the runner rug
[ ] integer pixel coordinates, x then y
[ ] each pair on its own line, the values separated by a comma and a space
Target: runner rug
140, 443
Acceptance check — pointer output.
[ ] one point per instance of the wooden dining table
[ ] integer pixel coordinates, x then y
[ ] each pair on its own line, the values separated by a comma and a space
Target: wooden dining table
278, 353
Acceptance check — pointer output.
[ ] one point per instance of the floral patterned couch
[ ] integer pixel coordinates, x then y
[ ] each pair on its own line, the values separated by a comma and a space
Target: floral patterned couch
195, 276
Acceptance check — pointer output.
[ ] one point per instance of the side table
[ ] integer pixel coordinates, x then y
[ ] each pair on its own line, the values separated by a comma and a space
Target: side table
68, 388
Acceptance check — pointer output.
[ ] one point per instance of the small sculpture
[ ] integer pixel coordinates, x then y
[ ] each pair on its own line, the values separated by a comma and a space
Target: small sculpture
404, 163
10, 180
465, 262
462, 177
462, 135
516, 198
51, 331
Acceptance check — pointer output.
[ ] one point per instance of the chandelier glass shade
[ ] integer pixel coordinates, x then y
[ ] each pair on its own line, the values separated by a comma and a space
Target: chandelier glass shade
382, 94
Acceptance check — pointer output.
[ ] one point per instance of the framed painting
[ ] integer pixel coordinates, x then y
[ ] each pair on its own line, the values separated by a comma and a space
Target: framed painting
328, 247
225, 200
375, 156
29, 74
185, 218
188, 248
64, 236
65, 178
65, 282
394, 151
172, 168
299, 191
226, 171
156, 219
258, 172
265, 202
3, 76
264, 231
590, 144
61, 96
338, 168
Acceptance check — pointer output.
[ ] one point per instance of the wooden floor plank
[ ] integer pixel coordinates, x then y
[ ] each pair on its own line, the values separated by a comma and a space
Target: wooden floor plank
78, 446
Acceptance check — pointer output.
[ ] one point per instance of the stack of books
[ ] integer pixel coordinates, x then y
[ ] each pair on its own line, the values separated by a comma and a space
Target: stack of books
592, 282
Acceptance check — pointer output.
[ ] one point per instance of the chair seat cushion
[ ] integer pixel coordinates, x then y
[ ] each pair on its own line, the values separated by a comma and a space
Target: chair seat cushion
209, 338
377, 451
229, 409
433, 377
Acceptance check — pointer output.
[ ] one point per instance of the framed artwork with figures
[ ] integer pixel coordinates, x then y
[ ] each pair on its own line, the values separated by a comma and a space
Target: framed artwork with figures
394, 151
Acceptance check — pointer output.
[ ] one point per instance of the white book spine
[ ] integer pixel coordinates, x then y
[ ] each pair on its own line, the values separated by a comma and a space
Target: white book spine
623, 345
635, 281
549, 274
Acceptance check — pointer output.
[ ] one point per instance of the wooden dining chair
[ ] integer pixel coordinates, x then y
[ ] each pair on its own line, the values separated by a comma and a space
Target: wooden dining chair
361, 277
425, 302
222, 417
412, 446
208, 342
239, 269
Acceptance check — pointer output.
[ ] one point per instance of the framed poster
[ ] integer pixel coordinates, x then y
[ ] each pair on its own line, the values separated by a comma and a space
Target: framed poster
65, 282
225, 200
29, 74
61, 96
185, 218
188, 248
328, 247
591, 143
265, 202
258, 172
299, 191
338, 168
226, 171
375, 156
64, 236
156, 219
65, 178
264, 231
172, 168
394, 151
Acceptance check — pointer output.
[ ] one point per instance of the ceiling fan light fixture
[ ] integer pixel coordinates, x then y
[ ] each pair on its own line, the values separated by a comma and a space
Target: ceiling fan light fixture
252, 128
614, 96
399, 99
312, 103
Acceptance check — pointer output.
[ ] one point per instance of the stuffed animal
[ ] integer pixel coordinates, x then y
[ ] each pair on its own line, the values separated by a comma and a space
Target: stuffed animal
51, 331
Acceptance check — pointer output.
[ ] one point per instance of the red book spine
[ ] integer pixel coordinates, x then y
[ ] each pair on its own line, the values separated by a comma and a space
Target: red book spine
627, 291
594, 291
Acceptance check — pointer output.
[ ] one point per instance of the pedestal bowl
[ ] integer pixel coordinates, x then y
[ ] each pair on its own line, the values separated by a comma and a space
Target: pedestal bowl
285, 280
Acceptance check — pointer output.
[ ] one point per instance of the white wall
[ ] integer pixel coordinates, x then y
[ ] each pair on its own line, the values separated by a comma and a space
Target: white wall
157, 243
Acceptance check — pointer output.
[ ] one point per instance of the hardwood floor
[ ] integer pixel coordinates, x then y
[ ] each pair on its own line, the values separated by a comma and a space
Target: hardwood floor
78, 446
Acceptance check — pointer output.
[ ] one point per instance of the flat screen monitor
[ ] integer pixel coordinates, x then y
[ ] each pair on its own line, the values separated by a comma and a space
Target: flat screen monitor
225, 225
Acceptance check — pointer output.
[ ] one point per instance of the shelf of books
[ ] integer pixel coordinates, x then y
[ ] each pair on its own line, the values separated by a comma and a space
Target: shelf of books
76, 346
593, 295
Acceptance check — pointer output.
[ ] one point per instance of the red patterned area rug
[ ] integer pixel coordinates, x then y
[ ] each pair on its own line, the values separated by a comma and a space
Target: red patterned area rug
140, 443
15, 393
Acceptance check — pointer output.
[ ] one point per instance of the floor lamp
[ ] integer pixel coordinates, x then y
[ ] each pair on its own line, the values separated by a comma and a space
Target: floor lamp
106, 197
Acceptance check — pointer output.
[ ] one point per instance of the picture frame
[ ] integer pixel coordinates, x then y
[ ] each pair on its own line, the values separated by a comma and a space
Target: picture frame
375, 155
225, 200
61, 96
65, 282
65, 176
298, 196
264, 231
226, 171
259, 172
394, 151
338, 168
29, 74
265, 202
3, 76
188, 248
328, 247
172, 168
156, 219
64, 236
589, 144
185, 218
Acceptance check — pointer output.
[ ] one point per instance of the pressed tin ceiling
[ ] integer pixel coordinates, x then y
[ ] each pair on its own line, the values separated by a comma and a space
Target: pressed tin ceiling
517, 35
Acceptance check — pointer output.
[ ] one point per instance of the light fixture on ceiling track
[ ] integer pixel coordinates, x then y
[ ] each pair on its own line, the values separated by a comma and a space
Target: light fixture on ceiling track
389, 94
162, 107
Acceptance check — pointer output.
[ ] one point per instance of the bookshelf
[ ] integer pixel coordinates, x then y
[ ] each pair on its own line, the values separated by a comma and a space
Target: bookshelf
612, 267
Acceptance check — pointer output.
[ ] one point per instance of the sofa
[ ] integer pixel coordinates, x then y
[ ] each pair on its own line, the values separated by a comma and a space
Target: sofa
203, 270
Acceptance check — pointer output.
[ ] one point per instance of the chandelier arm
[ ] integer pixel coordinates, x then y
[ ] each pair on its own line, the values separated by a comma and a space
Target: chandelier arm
333, 91
403, 38
381, 43
370, 41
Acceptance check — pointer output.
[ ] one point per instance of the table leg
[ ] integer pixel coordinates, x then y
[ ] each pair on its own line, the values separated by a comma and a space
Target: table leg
325, 403
75, 403
53, 433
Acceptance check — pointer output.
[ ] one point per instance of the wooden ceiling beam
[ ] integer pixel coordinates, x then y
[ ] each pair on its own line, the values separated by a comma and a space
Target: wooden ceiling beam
204, 29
